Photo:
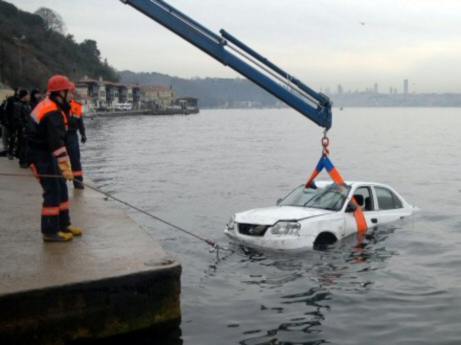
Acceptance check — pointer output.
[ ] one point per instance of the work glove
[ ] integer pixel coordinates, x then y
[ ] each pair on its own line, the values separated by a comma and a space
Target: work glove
83, 139
66, 170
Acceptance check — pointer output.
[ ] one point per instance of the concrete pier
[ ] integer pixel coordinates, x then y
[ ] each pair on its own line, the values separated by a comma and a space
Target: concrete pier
115, 279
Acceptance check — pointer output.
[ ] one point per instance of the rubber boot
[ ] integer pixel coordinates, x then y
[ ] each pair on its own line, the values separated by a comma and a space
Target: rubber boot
59, 237
74, 230
78, 185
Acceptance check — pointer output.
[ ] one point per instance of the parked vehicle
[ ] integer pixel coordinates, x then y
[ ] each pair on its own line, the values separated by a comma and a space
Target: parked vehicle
307, 218
123, 106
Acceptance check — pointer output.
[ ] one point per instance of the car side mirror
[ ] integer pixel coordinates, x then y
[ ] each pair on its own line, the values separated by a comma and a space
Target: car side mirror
279, 201
351, 207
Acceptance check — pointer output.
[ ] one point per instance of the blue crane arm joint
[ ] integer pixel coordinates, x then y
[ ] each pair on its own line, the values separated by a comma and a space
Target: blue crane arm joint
233, 53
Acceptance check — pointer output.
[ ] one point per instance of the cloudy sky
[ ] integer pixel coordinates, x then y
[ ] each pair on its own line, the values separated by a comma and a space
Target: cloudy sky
323, 42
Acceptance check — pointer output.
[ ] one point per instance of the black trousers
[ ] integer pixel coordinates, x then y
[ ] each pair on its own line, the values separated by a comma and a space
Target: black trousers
13, 140
55, 207
73, 150
17, 144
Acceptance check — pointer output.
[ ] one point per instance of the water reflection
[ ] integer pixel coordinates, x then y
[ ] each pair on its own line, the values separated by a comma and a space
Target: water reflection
345, 267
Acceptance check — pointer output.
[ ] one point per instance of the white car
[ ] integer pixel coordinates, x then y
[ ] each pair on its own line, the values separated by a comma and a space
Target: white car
315, 218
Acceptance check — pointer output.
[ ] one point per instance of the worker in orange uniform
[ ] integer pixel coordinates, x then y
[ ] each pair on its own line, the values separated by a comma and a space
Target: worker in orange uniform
47, 130
72, 144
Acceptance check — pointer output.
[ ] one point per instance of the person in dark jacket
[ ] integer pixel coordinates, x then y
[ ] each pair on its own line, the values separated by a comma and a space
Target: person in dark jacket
48, 154
76, 124
7, 122
21, 113
35, 98
5, 108
17, 115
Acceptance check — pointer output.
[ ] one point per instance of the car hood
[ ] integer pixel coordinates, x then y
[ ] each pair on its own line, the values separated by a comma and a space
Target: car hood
271, 215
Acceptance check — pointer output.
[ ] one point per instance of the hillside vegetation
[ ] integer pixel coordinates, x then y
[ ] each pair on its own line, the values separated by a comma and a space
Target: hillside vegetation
33, 47
212, 92
31, 51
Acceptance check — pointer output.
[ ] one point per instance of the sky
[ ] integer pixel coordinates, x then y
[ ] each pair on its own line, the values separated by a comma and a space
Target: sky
355, 43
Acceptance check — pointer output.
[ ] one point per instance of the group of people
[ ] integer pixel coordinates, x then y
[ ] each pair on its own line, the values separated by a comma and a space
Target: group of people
42, 132
14, 112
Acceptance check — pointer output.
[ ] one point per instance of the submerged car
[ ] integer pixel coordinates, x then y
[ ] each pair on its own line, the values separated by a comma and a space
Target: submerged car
308, 218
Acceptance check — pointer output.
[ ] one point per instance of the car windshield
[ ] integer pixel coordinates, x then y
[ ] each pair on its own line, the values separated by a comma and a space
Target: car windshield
330, 198
299, 197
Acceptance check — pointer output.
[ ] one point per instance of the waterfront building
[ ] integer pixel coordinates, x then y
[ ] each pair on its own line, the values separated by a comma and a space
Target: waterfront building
101, 95
189, 105
157, 97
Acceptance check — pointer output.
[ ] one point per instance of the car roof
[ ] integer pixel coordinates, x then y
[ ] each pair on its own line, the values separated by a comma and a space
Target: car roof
351, 183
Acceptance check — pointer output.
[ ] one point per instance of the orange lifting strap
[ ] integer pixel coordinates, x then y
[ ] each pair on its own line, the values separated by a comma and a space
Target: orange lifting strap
325, 163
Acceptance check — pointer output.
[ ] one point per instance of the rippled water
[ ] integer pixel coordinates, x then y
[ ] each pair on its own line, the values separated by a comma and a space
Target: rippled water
402, 287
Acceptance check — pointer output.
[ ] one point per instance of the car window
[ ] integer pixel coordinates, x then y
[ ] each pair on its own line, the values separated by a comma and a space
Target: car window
387, 200
364, 198
299, 196
331, 198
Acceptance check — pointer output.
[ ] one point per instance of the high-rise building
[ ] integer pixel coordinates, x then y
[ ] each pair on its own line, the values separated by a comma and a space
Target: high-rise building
375, 88
405, 86
340, 89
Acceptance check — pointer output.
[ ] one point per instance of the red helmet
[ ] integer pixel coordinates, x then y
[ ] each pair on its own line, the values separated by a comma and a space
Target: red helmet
73, 88
59, 83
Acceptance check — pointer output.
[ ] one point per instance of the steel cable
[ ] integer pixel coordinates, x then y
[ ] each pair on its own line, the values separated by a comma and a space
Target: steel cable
96, 189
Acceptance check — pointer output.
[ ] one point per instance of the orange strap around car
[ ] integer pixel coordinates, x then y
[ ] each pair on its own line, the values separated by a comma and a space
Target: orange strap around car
325, 163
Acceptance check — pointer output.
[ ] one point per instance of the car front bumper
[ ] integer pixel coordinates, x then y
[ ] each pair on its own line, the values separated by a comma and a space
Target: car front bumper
273, 242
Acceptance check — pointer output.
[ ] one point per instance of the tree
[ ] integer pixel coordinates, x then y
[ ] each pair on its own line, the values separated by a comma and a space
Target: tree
52, 20
91, 48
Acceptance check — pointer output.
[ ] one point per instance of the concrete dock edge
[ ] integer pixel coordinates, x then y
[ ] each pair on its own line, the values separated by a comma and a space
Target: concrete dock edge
91, 310
112, 281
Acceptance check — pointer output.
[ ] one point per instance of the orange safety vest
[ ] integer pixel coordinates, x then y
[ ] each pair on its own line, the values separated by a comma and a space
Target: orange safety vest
44, 108
76, 109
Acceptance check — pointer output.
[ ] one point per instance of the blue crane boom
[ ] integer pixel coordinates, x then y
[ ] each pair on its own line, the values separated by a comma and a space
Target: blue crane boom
233, 53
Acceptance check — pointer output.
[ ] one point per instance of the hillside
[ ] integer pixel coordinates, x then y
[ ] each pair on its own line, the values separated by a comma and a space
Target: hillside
30, 52
212, 92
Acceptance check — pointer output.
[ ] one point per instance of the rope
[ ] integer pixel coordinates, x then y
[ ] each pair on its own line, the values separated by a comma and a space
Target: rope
176, 227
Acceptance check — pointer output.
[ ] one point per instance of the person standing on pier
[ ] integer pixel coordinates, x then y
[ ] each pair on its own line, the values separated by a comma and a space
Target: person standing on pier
35, 98
73, 147
6, 108
8, 120
47, 130
21, 113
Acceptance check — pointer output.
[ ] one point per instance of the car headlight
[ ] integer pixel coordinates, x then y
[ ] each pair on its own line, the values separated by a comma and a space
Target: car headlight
231, 224
286, 228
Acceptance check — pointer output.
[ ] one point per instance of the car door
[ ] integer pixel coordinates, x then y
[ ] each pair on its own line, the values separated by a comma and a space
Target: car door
364, 196
389, 206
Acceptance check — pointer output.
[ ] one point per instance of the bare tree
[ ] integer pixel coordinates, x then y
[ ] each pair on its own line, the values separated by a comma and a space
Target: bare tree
52, 19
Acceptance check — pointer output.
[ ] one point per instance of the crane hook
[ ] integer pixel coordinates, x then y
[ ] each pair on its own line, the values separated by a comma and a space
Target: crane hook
325, 143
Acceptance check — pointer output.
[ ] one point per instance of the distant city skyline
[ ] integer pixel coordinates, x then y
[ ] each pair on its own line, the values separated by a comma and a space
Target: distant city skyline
375, 88
356, 43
